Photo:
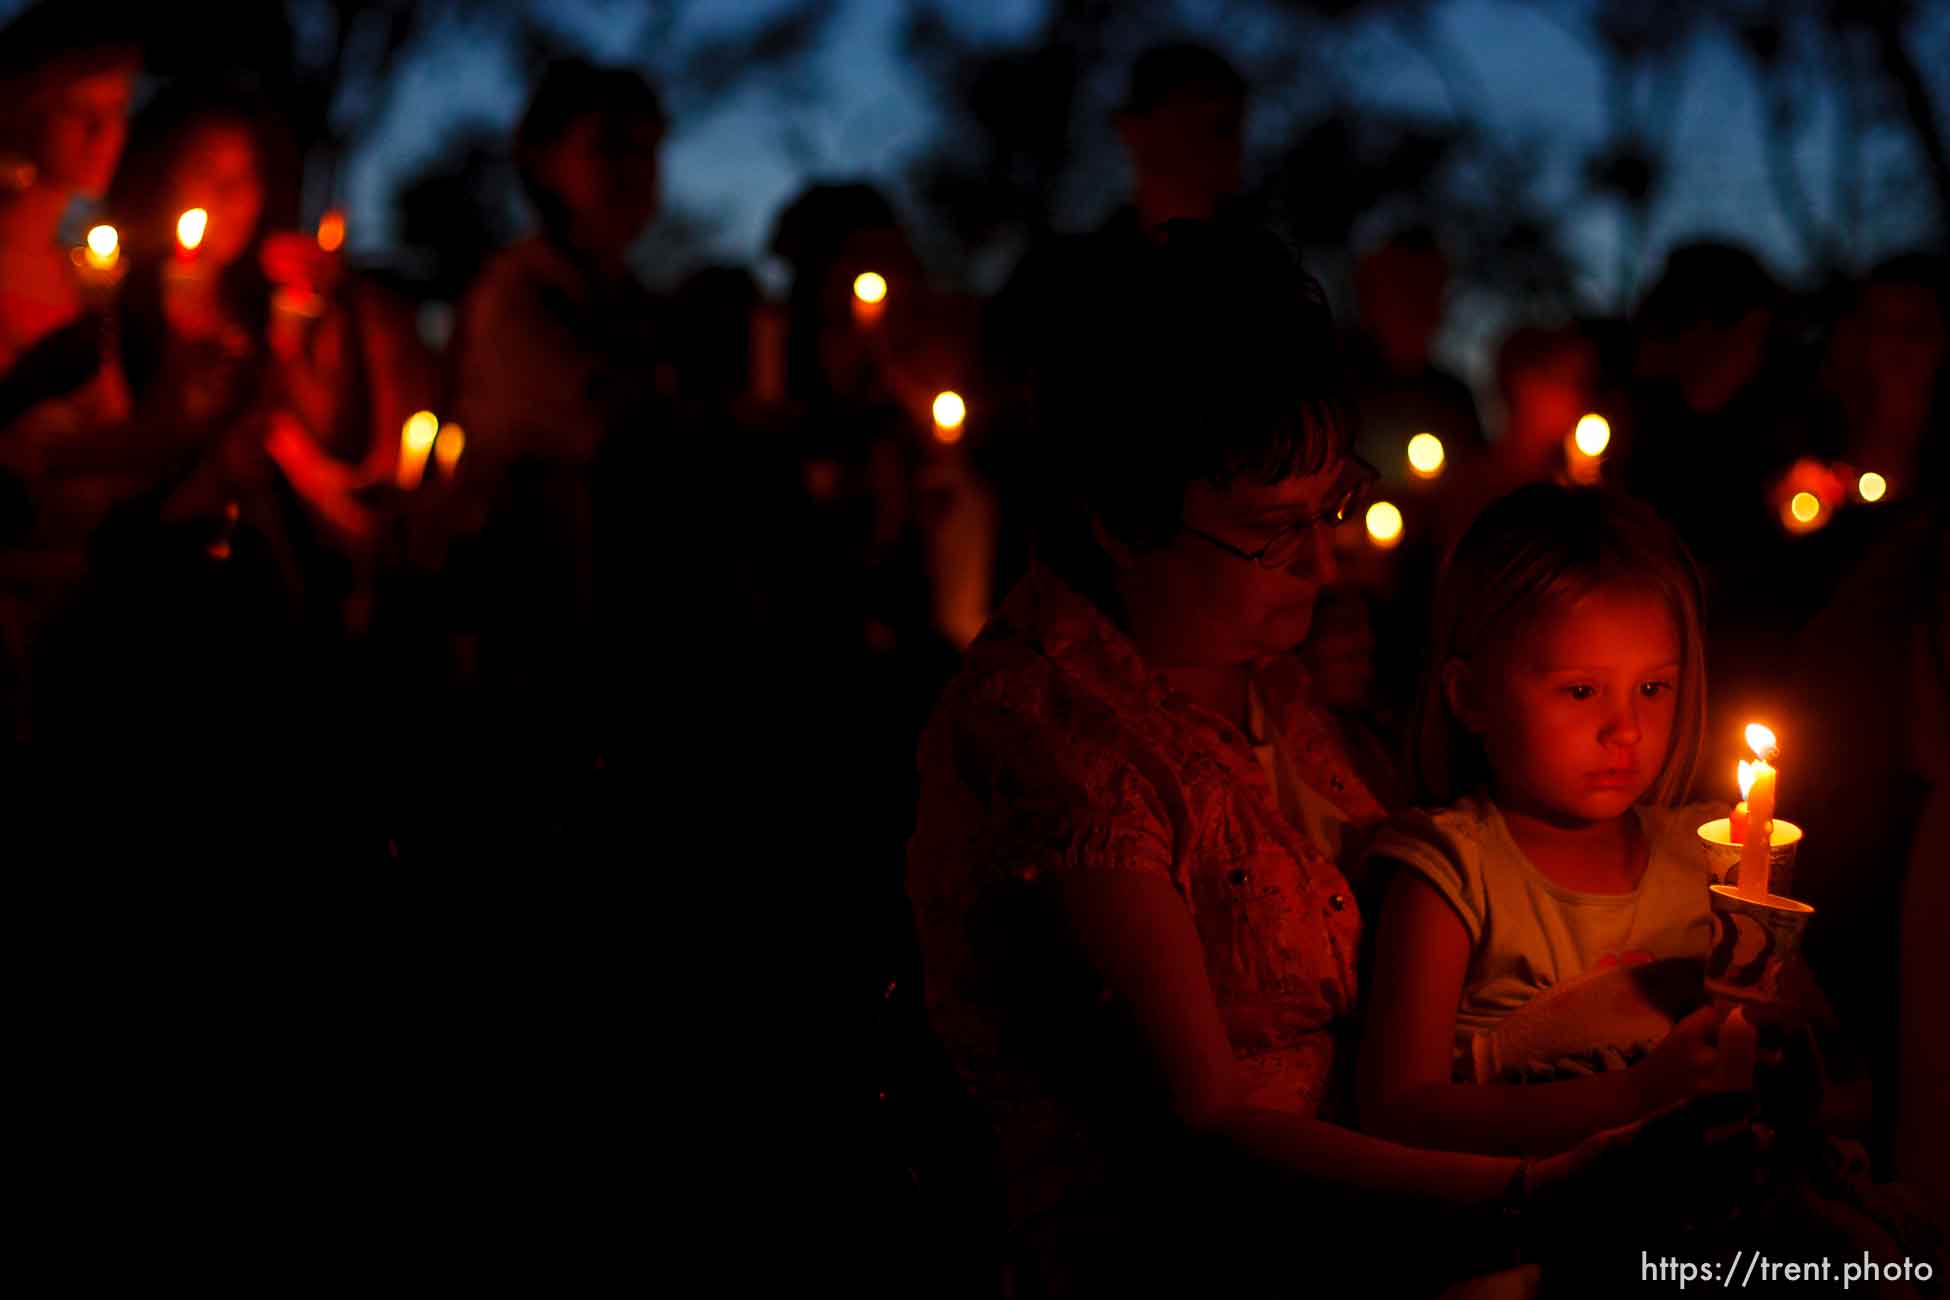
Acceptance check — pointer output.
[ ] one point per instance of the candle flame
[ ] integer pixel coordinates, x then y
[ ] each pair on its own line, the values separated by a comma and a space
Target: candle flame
190, 227
1805, 506
1746, 778
1872, 486
104, 247
869, 287
416, 439
1384, 524
1762, 742
949, 412
447, 445
1425, 454
1593, 435
331, 230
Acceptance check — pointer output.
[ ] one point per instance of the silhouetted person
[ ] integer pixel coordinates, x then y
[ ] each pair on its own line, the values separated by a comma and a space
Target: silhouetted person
1400, 290
1182, 124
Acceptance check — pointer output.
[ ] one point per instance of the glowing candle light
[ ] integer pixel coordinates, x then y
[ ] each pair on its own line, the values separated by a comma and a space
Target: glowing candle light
189, 229
1425, 455
1593, 435
949, 413
1757, 783
104, 248
331, 231
447, 445
1872, 486
1384, 524
869, 297
416, 438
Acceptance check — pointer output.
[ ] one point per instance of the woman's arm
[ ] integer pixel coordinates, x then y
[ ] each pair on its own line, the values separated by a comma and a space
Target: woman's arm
1406, 1089
1136, 931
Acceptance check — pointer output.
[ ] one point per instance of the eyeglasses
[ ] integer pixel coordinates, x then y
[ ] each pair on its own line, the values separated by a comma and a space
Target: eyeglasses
1344, 500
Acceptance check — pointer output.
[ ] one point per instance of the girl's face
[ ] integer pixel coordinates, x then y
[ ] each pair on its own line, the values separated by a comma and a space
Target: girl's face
82, 133
218, 173
1576, 716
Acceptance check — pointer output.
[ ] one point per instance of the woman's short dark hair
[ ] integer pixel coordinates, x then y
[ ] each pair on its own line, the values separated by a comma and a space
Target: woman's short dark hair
1214, 360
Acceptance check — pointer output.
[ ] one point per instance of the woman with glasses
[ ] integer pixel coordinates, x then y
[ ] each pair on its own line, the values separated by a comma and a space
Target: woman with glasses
1139, 951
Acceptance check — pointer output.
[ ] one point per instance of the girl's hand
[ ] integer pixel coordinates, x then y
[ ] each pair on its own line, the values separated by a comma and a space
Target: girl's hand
1685, 1062
1686, 1162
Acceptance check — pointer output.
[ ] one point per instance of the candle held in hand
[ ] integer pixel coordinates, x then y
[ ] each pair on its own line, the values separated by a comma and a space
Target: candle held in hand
1757, 782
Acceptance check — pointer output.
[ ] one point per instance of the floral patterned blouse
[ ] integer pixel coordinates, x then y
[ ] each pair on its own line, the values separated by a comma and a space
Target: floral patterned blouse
1057, 749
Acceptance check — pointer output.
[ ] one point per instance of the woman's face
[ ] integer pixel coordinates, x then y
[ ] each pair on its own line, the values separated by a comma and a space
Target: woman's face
82, 133
218, 172
1195, 603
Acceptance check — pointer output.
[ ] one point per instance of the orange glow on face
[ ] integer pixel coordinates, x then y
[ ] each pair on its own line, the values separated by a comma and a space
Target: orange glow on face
331, 230
190, 227
1425, 454
1384, 524
1872, 486
1762, 742
870, 287
447, 445
1804, 506
1593, 435
104, 247
949, 412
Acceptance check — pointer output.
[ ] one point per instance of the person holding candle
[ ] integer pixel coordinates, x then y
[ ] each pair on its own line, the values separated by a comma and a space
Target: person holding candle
1139, 952
1560, 724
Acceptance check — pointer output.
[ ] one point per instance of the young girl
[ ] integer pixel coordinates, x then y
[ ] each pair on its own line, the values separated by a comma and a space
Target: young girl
1561, 723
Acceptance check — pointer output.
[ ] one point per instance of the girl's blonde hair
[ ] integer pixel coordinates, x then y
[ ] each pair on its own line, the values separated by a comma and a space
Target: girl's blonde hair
1539, 549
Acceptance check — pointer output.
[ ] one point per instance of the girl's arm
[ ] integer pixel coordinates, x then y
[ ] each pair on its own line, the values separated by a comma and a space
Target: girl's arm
1405, 1081
1137, 933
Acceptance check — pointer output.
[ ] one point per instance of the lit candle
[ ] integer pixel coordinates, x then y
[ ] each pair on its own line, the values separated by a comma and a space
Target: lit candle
1384, 525
1757, 782
447, 447
1872, 486
331, 231
949, 413
869, 297
1584, 448
104, 248
190, 228
416, 438
1425, 455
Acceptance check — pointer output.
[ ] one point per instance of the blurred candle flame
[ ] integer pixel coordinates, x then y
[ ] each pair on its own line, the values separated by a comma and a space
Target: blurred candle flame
1804, 507
331, 230
870, 287
1872, 486
1746, 778
447, 445
190, 227
1384, 524
949, 412
104, 247
1425, 455
416, 438
1593, 435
